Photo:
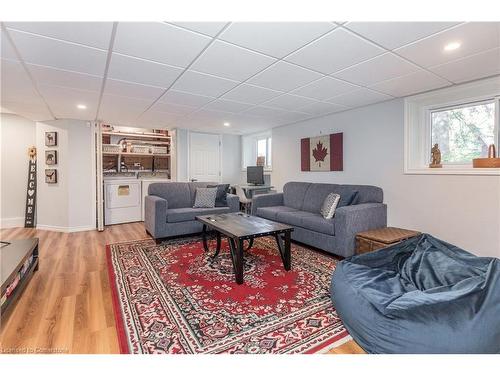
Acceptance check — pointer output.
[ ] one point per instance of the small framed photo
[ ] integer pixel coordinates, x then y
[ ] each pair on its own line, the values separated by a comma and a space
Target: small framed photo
51, 176
50, 138
51, 157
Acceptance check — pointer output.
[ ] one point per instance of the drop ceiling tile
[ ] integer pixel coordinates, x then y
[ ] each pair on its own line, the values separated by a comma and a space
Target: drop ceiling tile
359, 98
57, 54
93, 34
396, 34
227, 106
325, 88
203, 84
57, 77
476, 66
277, 39
172, 108
411, 84
120, 109
380, 68
35, 111
320, 108
131, 69
334, 51
184, 98
15, 85
251, 94
207, 28
158, 120
159, 42
289, 102
228, 61
265, 112
473, 37
132, 90
63, 101
292, 117
283, 76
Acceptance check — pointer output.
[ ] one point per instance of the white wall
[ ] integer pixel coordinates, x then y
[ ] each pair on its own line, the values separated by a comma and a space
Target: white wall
463, 210
17, 135
68, 205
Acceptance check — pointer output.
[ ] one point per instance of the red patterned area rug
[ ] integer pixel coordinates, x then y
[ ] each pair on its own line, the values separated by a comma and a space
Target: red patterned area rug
174, 298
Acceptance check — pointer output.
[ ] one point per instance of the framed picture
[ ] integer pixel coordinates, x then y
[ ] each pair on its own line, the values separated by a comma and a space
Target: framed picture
322, 154
50, 138
51, 157
51, 176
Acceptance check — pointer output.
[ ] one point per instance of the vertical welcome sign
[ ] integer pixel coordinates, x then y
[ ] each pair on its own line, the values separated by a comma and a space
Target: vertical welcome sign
29, 217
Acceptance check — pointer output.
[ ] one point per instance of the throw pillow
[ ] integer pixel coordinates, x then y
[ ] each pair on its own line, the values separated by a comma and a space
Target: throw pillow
348, 199
221, 197
205, 198
330, 205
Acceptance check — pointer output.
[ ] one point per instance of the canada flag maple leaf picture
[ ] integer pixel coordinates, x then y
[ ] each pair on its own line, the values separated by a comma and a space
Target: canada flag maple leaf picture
319, 153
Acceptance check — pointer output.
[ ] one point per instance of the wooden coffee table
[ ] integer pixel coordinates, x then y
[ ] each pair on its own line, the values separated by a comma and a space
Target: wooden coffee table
240, 227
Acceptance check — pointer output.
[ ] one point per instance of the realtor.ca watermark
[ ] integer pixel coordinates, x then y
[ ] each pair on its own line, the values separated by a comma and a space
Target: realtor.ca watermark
34, 350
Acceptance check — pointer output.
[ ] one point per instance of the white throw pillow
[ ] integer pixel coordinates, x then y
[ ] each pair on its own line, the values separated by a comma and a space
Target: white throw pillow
330, 205
205, 197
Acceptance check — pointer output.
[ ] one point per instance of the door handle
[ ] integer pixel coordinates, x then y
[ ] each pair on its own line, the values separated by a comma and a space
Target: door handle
194, 180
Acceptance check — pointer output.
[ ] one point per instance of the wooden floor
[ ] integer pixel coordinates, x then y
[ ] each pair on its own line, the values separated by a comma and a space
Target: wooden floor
66, 307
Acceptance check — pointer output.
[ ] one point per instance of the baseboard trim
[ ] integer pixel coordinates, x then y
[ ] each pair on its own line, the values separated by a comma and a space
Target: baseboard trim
12, 222
65, 229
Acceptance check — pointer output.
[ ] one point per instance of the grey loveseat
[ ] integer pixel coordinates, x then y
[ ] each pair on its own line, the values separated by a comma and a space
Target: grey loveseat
169, 208
300, 203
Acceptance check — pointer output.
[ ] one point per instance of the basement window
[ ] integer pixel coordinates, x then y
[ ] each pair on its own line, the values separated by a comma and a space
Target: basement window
463, 132
463, 120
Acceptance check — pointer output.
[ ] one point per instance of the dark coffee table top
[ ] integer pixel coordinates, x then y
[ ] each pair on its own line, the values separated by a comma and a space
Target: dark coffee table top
240, 225
13, 256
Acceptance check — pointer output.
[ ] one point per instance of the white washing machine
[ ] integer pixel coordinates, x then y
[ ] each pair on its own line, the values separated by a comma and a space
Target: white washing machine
122, 201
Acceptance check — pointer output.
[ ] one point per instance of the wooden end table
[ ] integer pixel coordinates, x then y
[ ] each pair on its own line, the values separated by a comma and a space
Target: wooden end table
375, 239
240, 227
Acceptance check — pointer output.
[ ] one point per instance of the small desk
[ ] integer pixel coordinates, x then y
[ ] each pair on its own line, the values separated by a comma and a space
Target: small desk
251, 189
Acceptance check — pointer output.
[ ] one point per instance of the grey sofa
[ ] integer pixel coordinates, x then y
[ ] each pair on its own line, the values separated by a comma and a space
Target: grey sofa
300, 203
169, 208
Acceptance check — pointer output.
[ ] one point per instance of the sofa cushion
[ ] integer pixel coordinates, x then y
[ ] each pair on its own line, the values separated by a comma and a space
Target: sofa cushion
294, 193
316, 195
270, 213
308, 220
177, 194
177, 215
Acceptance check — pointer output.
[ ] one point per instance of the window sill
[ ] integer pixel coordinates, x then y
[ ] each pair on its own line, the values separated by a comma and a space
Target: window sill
465, 171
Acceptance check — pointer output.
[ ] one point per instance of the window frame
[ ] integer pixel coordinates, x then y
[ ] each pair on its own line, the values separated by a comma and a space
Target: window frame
431, 109
267, 138
249, 150
417, 124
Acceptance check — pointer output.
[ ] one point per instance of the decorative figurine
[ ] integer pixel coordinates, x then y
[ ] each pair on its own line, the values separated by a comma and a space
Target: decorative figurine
435, 157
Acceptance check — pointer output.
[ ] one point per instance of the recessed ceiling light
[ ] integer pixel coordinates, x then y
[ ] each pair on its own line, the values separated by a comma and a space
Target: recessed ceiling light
227, 124
452, 46
81, 106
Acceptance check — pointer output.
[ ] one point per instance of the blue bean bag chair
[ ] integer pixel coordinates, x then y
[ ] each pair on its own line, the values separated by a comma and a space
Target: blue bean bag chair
422, 295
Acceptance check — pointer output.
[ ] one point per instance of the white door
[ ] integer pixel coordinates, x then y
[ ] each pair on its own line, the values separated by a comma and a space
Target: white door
204, 157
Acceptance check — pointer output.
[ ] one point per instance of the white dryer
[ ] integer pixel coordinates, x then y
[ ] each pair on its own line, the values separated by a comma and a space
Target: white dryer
122, 201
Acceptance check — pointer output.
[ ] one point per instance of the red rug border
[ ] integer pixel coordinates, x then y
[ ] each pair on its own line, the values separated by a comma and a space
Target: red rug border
120, 325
